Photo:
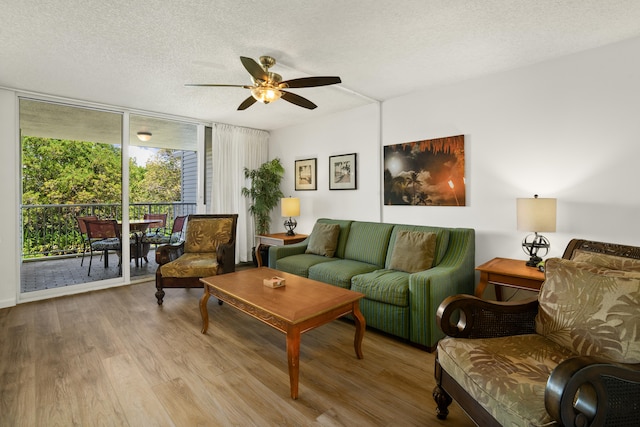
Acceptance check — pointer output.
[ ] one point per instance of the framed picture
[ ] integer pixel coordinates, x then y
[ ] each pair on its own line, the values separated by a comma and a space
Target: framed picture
425, 173
306, 174
343, 172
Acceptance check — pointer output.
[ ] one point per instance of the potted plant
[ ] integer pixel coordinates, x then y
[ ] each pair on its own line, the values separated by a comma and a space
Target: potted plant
264, 193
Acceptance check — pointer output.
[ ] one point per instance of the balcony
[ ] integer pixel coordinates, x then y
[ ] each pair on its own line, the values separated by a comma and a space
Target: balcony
52, 243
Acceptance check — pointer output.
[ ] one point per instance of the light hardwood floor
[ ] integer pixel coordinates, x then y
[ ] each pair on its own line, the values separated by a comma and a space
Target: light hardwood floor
114, 357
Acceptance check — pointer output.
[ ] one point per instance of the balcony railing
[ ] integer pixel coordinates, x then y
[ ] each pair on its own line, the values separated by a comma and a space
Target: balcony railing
52, 230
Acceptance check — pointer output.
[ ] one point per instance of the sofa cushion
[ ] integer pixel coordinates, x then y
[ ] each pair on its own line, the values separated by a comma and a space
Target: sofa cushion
339, 272
324, 239
345, 227
387, 286
368, 242
300, 264
507, 376
604, 260
442, 240
413, 251
591, 310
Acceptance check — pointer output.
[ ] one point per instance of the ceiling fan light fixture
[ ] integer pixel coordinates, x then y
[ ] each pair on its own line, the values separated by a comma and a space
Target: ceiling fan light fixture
265, 94
144, 136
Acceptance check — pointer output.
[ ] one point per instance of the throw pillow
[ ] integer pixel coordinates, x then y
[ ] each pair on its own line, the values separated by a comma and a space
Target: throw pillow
609, 261
413, 251
324, 239
591, 310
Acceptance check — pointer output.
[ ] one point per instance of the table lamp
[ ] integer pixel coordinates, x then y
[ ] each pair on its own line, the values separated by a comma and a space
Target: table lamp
290, 207
536, 215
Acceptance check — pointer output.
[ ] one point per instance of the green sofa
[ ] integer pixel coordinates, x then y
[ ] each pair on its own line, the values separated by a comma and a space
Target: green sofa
396, 302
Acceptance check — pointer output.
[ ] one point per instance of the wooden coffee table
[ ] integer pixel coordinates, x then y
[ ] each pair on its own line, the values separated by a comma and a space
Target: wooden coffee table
299, 306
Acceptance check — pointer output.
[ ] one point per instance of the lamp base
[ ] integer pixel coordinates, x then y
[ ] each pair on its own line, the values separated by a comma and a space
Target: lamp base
534, 261
290, 224
531, 245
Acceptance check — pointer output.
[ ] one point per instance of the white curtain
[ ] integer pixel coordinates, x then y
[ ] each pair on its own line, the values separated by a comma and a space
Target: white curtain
233, 149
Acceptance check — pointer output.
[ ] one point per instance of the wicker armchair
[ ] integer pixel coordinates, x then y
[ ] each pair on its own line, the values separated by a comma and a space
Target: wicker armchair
535, 380
207, 250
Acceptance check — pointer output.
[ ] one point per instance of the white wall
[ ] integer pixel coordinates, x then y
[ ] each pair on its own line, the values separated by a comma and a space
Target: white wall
10, 249
353, 131
567, 128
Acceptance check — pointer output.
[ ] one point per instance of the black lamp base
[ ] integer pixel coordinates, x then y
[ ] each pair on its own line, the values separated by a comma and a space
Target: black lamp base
531, 245
534, 261
290, 224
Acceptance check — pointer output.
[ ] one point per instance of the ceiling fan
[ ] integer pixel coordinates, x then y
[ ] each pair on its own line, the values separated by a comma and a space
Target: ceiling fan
268, 86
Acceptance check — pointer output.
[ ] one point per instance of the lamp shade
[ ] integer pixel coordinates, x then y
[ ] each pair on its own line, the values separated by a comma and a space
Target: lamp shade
290, 206
536, 214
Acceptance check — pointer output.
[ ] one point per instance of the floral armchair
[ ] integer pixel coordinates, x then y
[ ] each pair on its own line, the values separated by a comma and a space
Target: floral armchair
207, 250
571, 357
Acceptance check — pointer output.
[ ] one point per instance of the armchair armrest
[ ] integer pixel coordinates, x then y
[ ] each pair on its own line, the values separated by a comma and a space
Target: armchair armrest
168, 253
478, 318
226, 257
587, 391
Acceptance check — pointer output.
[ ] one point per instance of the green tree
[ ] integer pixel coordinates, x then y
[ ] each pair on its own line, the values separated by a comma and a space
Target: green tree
58, 171
161, 180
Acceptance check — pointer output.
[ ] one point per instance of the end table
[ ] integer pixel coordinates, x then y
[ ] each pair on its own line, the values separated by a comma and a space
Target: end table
512, 273
276, 239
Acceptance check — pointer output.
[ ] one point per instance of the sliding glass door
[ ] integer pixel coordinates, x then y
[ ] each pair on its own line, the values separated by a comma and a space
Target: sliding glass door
73, 174
71, 162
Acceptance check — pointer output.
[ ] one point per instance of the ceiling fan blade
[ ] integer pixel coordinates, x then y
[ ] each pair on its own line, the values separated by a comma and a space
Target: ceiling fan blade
311, 82
216, 85
254, 69
298, 100
247, 103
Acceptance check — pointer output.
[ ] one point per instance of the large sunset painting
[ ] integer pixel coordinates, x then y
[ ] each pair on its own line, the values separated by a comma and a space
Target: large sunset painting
425, 173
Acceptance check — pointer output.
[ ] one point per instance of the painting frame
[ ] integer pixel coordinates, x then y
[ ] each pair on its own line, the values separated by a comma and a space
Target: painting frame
306, 174
343, 172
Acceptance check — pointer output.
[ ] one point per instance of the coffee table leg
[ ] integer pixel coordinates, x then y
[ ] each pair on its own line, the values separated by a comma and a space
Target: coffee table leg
203, 309
361, 325
293, 359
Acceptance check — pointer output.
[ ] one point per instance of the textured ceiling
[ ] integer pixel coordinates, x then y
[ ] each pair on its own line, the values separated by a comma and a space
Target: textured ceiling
140, 54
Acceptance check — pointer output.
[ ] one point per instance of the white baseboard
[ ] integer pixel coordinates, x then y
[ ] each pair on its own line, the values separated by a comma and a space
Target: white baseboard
11, 302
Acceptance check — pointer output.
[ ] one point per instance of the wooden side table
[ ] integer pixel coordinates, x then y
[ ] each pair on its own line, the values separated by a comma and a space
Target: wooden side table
507, 272
276, 239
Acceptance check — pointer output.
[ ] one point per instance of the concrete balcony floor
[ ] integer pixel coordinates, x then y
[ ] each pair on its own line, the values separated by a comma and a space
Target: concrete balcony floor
54, 273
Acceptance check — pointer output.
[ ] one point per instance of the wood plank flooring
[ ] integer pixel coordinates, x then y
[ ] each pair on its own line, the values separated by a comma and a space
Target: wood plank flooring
116, 358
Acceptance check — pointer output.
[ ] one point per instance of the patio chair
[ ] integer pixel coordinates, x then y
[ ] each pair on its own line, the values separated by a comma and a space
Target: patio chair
82, 226
162, 239
104, 236
159, 229
207, 250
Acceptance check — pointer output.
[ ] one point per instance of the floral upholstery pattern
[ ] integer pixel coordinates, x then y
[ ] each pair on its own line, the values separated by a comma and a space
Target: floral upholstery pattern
591, 310
191, 265
585, 308
609, 261
204, 235
506, 375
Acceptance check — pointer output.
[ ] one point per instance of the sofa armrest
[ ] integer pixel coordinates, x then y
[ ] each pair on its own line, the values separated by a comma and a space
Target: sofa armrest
282, 251
478, 318
587, 391
169, 252
226, 257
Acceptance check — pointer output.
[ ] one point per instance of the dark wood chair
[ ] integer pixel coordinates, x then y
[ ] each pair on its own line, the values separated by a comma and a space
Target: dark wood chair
208, 249
103, 236
580, 391
82, 227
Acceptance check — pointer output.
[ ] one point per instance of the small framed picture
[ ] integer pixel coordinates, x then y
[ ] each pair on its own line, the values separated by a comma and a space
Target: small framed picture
306, 174
343, 172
